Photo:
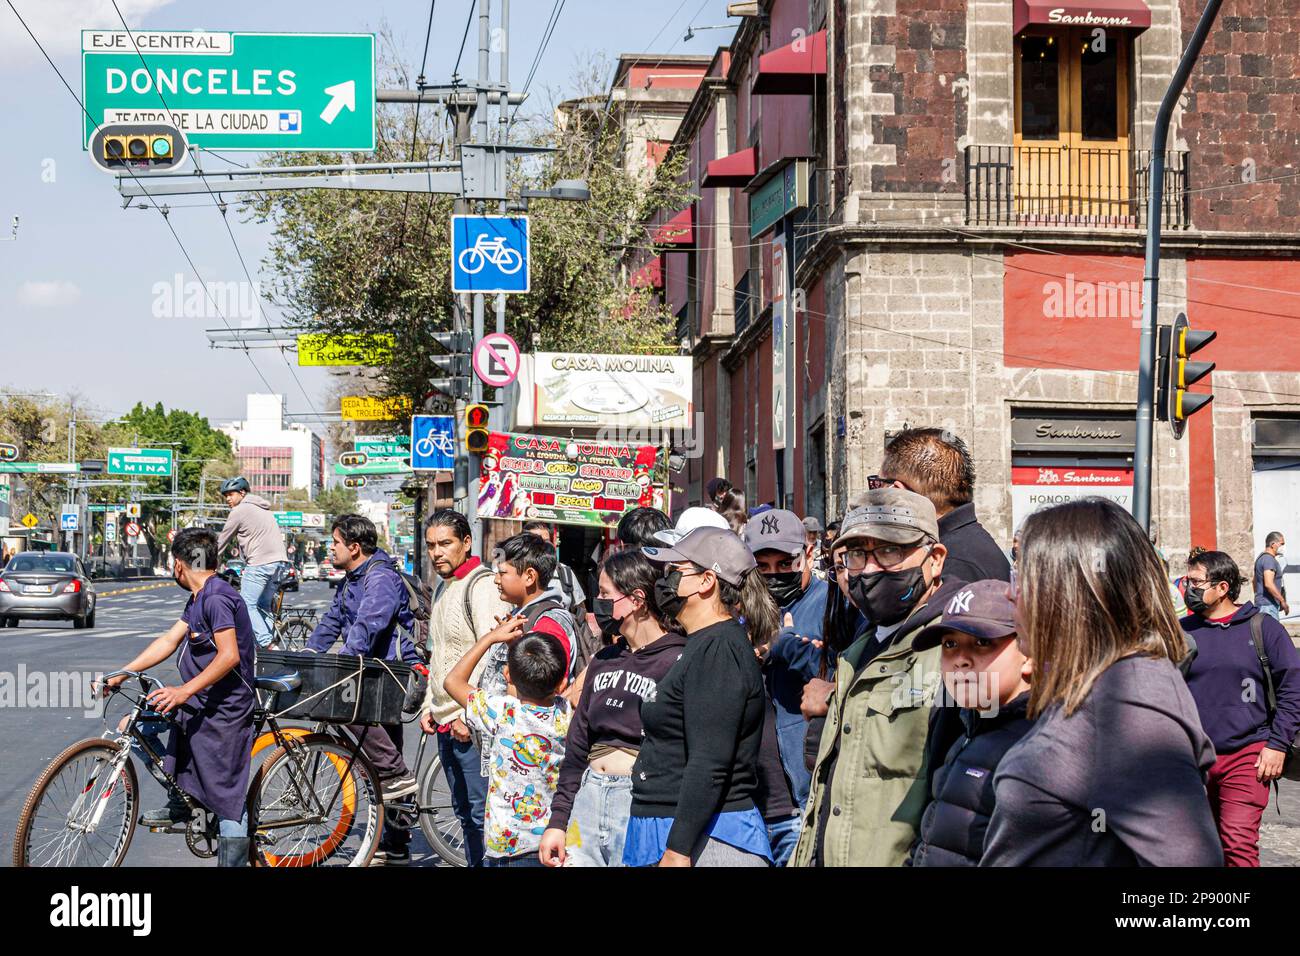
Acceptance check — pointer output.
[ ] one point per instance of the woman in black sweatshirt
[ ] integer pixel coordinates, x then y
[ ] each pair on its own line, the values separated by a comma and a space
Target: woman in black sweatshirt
694, 781
593, 797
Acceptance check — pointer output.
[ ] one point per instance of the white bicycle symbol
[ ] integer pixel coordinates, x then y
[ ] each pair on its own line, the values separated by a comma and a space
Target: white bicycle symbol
435, 441
485, 250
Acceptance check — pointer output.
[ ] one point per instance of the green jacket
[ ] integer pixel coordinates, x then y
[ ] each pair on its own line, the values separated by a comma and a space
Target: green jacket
875, 734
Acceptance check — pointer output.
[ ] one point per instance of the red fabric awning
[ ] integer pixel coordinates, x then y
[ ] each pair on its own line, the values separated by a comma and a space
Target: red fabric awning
1121, 14
651, 274
793, 68
734, 170
677, 231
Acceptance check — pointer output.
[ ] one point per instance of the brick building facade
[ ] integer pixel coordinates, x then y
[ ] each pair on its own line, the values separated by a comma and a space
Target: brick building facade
964, 216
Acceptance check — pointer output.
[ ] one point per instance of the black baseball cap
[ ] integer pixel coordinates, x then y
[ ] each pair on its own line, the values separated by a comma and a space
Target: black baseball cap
981, 609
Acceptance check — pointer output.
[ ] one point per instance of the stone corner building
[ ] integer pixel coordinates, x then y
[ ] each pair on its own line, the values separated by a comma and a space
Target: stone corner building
951, 196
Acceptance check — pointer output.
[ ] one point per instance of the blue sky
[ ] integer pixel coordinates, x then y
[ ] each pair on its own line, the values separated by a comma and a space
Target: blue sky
78, 289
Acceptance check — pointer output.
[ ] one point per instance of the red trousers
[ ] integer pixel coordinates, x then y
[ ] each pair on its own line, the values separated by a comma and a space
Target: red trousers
1238, 800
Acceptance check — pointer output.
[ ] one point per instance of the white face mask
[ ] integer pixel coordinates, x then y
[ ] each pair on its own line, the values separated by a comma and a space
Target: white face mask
1281, 551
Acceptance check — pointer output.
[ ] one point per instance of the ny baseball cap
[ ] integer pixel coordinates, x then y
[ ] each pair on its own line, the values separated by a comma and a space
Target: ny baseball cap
688, 521
890, 514
776, 530
981, 609
716, 549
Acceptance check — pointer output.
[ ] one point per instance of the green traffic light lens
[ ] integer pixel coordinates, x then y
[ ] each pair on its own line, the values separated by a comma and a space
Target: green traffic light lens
162, 146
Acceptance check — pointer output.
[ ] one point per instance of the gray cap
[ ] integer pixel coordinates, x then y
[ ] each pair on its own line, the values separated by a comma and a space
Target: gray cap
890, 514
715, 549
812, 524
776, 530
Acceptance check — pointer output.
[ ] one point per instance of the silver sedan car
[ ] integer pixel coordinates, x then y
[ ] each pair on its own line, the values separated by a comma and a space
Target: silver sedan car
48, 585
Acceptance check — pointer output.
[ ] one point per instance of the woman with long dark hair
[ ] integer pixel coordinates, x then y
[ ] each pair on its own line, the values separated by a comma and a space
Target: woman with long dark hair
1113, 771
593, 797
695, 779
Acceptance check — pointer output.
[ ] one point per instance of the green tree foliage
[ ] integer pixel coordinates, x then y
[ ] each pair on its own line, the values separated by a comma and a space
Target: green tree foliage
380, 263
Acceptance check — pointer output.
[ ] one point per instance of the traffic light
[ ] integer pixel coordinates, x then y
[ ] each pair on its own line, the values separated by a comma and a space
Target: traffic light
147, 146
358, 481
1177, 344
455, 366
476, 429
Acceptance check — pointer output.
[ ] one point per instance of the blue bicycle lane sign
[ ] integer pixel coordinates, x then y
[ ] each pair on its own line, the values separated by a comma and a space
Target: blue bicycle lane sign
489, 254
433, 442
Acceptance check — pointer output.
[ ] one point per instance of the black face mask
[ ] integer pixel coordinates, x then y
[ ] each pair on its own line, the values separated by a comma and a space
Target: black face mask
886, 597
784, 586
666, 596
1194, 598
180, 582
604, 611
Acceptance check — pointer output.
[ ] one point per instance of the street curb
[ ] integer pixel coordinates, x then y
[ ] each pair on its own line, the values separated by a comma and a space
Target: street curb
146, 587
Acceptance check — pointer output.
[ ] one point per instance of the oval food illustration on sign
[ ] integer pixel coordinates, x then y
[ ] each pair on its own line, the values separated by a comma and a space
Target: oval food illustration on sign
609, 398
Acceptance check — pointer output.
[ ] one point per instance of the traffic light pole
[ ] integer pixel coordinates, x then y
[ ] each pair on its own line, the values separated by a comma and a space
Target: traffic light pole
1147, 357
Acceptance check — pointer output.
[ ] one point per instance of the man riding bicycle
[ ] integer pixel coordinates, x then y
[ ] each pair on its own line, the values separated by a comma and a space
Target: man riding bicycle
212, 711
261, 542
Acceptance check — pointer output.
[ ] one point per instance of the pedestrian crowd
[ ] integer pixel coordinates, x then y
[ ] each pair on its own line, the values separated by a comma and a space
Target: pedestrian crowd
887, 690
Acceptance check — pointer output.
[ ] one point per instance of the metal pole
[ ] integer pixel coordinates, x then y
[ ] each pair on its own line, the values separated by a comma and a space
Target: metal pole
1147, 359
503, 131
791, 434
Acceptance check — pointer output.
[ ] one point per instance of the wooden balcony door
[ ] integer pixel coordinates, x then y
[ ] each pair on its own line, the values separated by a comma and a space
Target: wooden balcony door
1072, 160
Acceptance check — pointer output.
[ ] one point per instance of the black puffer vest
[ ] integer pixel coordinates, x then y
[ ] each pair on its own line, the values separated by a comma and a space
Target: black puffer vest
961, 791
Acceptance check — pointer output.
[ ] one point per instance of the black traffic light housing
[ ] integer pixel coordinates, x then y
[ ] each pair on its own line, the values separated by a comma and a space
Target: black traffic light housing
1175, 404
355, 481
119, 147
476, 429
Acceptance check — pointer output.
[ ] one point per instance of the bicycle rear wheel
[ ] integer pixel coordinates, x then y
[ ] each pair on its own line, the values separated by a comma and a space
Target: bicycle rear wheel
79, 814
315, 802
293, 635
437, 821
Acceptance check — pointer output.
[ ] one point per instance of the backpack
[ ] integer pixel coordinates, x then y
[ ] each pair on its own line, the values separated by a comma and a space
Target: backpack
1291, 768
569, 586
586, 644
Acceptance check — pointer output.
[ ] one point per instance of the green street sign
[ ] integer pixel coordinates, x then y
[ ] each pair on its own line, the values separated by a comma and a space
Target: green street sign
380, 446
288, 519
107, 508
254, 91
39, 468
148, 462
390, 466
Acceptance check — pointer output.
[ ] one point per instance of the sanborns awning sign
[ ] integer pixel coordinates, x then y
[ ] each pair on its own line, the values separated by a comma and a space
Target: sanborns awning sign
253, 91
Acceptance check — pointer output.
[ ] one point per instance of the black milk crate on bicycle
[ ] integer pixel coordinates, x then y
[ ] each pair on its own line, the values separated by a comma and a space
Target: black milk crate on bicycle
338, 688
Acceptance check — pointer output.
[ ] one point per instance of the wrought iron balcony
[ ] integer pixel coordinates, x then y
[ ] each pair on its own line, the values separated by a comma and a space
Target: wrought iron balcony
1061, 186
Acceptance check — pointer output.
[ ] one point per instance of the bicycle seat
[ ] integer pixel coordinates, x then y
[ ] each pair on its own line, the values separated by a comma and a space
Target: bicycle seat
282, 683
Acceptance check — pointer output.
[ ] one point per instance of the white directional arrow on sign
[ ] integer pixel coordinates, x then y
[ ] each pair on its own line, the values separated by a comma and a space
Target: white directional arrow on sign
343, 96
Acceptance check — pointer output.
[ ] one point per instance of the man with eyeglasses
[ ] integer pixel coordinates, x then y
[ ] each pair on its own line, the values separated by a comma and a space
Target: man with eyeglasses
936, 463
878, 716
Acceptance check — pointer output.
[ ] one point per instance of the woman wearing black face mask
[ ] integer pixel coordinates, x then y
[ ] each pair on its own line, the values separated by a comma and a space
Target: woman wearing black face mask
593, 796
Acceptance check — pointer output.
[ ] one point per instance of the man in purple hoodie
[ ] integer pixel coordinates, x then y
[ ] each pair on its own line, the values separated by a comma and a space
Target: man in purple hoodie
1229, 686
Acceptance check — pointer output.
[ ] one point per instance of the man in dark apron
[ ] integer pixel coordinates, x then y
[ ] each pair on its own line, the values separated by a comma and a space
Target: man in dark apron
212, 710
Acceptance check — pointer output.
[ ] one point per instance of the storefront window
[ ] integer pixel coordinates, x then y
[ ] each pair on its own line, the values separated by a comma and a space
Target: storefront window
1040, 116
1099, 70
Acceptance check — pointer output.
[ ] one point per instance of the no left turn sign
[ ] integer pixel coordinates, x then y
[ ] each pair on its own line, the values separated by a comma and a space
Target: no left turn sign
496, 359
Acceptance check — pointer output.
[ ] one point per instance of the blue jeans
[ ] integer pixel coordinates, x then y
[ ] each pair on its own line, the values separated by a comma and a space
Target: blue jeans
257, 588
1274, 612
598, 822
783, 835
460, 762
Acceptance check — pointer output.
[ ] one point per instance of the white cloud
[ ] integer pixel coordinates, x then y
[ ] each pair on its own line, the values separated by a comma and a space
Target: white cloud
58, 25
57, 292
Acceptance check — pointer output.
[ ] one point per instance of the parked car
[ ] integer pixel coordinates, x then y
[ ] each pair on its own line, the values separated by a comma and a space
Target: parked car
233, 571
47, 585
332, 574
310, 571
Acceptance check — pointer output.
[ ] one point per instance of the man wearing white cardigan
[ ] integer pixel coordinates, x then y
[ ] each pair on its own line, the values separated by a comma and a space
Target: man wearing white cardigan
466, 606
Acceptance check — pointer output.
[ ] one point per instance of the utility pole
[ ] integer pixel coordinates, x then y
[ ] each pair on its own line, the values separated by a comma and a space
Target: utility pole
1147, 357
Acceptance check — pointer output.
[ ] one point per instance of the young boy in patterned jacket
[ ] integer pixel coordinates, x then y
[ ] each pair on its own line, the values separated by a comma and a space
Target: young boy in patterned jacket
527, 726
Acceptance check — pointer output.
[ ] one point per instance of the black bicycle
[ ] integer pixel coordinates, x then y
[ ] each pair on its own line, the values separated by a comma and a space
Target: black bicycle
314, 801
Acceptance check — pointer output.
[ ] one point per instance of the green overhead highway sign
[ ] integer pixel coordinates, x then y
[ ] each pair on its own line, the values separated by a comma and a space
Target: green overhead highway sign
39, 467
256, 91
384, 466
380, 446
155, 462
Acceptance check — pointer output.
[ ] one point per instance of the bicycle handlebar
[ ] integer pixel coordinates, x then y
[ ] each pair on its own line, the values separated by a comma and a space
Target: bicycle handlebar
143, 677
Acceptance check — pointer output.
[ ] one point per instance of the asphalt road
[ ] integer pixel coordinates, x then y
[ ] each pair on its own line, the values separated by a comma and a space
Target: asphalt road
32, 732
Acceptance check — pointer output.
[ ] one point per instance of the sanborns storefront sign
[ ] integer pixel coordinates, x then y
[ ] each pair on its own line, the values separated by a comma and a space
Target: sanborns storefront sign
1087, 19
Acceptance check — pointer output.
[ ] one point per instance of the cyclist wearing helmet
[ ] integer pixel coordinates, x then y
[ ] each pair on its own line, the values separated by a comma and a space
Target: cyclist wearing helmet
262, 544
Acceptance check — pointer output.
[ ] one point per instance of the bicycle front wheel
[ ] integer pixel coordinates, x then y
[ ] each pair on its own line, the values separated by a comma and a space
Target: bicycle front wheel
315, 802
293, 635
437, 821
82, 809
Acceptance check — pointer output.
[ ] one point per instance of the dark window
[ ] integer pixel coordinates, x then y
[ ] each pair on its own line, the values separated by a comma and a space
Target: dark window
1100, 94
1040, 112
